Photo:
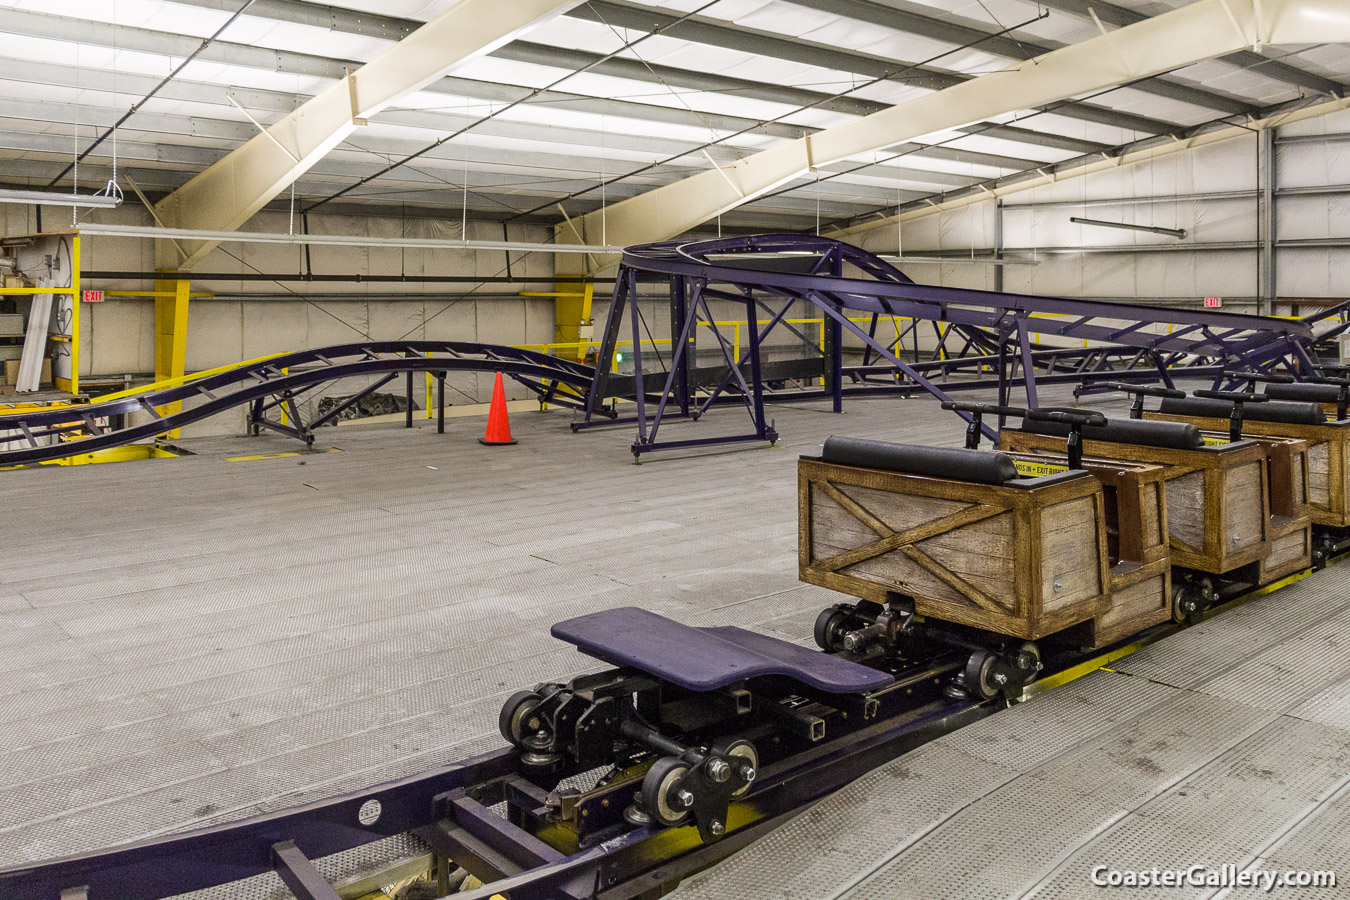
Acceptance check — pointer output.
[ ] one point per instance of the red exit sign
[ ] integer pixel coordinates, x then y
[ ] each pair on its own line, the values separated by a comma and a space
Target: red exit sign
1213, 302
97, 297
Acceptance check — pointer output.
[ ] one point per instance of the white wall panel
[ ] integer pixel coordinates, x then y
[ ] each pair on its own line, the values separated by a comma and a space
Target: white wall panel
216, 334
1306, 272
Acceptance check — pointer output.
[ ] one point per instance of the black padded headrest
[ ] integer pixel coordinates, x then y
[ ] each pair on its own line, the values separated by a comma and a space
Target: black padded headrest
1274, 411
978, 466
1145, 432
1302, 391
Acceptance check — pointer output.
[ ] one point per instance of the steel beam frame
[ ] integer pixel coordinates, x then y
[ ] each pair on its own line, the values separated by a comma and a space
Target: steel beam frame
275, 383
1123, 342
448, 808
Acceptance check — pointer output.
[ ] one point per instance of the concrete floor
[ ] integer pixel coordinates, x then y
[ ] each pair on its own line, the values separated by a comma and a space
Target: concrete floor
195, 640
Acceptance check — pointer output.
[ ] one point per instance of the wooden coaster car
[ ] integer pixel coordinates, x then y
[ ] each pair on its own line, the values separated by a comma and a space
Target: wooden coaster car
961, 532
1137, 543
1216, 496
1328, 491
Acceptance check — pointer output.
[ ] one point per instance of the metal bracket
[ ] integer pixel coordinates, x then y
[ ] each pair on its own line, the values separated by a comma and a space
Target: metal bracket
357, 118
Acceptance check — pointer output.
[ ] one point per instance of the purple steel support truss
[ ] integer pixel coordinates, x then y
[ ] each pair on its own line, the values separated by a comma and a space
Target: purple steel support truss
1121, 342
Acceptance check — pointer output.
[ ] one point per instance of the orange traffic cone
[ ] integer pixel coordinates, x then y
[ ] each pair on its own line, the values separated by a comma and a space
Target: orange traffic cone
498, 424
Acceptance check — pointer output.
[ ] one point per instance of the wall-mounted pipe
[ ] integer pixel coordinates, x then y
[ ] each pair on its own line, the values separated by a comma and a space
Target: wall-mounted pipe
1151, 229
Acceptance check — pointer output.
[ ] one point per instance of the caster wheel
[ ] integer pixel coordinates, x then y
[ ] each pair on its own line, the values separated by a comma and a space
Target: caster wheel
739, 751
1028, 661
831, 626
660, 797
979, 675
1188, 606
517, 720
1323, 548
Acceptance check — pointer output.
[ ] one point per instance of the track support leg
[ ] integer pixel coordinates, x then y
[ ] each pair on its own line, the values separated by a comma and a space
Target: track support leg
440, 403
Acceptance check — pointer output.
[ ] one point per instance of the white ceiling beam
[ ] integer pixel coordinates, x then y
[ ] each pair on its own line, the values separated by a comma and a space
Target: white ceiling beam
1199, 31
227, 194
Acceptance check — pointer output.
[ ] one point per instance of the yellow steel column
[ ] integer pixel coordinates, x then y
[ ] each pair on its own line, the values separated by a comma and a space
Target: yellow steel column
75, 314
171, 314
572, 316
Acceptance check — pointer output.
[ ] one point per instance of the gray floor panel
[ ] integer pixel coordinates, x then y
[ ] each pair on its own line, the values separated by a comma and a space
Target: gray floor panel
1053, 806
830, 843
231, 638
1048, 725
1223, 814
1198, 654
1286, 674
1320, 842
1330, 706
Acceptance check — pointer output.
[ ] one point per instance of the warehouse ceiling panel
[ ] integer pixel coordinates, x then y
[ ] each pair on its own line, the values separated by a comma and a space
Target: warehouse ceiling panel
640, 94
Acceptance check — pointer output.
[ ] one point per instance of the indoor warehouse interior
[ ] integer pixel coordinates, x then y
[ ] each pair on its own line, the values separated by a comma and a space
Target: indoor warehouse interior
618, 449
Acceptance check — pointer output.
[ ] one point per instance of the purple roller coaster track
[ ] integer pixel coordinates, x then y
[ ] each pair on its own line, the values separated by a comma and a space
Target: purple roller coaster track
981, 339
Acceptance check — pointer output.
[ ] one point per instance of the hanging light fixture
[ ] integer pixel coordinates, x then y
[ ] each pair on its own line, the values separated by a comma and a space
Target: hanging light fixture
51, 198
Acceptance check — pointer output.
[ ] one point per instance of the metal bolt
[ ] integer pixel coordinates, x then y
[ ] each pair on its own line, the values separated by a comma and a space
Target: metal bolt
717, 828
1000, 678
748, 773
1058, 584
718, 770
685, 798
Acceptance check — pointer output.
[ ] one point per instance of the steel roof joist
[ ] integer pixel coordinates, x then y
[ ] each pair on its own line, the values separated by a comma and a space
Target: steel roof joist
697, 30
1014, 48
1277, 70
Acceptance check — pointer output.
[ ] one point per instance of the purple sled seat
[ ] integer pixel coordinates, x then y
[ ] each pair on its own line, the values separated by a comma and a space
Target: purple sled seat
706, 659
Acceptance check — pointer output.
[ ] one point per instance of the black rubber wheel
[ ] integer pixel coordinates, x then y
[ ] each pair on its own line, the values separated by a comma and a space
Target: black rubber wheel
738, 749
659, 789
831, 625
1188, 608
515, 721
979, 674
